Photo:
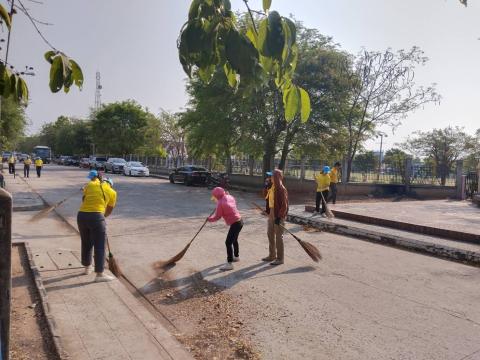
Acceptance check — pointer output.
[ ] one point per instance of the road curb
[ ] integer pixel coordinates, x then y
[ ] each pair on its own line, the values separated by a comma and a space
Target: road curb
52, 328
440, 251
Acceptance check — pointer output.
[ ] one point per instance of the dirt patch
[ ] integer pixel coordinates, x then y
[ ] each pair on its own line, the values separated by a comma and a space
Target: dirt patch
207, 319
30, 337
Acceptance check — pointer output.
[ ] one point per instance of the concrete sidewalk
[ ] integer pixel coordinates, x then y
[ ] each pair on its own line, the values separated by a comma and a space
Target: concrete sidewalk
436, 246
88, 320
23, 198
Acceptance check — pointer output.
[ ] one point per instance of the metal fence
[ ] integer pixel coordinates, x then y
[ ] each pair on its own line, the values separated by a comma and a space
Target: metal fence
471, 184
420, 174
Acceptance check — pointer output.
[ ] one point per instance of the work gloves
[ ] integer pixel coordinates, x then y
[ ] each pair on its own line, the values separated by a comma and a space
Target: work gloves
277, 221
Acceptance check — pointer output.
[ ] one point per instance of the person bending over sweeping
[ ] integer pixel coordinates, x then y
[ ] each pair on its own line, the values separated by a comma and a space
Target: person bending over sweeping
227, 208
98, 201
323, 184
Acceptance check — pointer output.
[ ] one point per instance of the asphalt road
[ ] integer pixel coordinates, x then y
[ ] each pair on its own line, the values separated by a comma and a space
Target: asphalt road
362, 301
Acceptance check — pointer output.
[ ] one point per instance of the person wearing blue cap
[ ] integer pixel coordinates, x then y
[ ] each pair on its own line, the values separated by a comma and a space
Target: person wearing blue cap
323, 185
98, 202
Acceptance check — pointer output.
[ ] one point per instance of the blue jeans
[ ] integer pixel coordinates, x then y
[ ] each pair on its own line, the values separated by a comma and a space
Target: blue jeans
93, 233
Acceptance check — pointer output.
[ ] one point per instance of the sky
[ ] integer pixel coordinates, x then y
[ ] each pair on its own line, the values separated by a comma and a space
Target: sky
133, 45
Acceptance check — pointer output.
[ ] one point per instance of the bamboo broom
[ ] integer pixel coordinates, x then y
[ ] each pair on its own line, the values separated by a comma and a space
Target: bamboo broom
43, 213
309, 248
163, 264
112, 262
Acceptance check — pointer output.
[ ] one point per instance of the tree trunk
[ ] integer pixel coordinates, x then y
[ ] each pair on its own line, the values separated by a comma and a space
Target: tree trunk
269, 151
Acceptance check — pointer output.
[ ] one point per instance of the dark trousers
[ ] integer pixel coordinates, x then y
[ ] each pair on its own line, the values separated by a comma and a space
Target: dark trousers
318, 198
26, 171
11, 168
333, 192
39, 170
93, 233
232, 240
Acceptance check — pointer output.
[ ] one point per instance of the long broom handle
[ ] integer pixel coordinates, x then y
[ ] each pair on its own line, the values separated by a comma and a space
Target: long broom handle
201, 228
283, 227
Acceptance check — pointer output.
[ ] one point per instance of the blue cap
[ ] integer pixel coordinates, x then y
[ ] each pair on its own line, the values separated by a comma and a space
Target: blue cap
268, 173
110, 181
92, 174
326, 169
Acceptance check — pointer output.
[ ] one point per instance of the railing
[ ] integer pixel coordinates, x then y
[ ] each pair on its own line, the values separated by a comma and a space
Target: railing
471, 184
419, 174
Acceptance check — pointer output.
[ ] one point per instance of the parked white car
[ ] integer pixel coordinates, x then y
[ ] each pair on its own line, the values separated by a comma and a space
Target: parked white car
135, 168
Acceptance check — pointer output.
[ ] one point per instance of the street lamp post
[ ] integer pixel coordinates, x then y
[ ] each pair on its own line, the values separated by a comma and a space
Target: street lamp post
380, 157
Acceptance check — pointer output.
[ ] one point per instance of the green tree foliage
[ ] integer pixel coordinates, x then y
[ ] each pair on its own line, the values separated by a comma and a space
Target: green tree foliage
154, 142
395, 158
173, 136
64, 72
120, 128
12, 123
441, 146
213, 39
366, 161
65, 136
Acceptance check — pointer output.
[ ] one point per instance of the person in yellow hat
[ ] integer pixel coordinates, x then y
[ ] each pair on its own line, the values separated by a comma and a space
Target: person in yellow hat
38, 166
334, 180
11, 164
26, 167
323, 185
98, 202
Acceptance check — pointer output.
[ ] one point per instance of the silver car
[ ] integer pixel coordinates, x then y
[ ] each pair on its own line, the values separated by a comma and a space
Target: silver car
115, 165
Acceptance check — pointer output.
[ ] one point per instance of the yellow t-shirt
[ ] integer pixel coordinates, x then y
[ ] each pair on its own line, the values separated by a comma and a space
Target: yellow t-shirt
334, 175
271, 197
27, 162
97, 196
11, 160
38, 162
323, 182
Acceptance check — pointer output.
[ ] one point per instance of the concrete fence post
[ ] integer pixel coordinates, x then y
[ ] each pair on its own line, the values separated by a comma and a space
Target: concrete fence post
344, 169
459, 181
408, 174
251, 163
5, 272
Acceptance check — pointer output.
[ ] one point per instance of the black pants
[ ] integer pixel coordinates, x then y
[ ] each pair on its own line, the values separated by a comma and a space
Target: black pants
93, 233
39, 170
318, 198
26, 171
333, 191
11, 168
232, 240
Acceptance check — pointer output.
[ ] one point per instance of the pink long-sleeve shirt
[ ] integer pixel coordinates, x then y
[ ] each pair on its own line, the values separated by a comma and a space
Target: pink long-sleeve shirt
226, 208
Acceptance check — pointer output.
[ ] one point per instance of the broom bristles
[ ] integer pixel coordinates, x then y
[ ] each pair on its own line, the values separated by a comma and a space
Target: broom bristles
311, 250
42, 213
113, 266
163, 264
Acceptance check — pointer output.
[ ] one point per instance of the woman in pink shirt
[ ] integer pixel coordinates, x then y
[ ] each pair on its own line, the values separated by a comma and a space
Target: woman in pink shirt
227, 208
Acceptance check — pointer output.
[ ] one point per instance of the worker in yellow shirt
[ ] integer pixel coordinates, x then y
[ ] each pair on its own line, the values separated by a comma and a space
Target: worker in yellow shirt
11, 164
334, 179
98, 202
323, 185
26, 167
38, 166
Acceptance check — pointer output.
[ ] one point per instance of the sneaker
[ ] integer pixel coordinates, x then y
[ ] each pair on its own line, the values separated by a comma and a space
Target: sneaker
236, 258
101, 277
324, 215
268, 258
276, 262
88, 270
228, 266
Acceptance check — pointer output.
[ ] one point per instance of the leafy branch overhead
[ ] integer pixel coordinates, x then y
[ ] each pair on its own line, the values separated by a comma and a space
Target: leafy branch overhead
64, 72
211, 39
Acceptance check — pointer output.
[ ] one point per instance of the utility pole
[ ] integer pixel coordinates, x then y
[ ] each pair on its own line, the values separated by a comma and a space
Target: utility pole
98, 95
380, 157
